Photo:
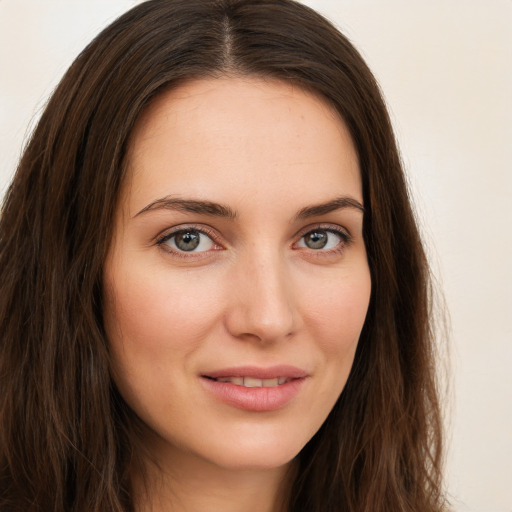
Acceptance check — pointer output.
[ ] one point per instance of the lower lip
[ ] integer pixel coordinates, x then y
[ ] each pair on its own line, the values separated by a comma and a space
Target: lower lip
254, 399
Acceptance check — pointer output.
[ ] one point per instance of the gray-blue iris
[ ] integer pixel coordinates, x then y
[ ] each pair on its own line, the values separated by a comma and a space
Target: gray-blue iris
187, 241
316, 239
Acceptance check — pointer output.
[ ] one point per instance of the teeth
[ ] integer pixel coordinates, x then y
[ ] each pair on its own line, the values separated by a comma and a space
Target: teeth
251, 382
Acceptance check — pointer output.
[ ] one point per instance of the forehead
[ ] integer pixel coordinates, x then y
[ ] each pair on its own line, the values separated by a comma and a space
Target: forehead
240, 137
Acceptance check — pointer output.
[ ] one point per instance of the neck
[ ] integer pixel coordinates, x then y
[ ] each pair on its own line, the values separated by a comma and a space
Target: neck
187, 483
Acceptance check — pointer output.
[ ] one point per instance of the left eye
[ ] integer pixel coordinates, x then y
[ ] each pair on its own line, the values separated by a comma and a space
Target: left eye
320, 239
190, 240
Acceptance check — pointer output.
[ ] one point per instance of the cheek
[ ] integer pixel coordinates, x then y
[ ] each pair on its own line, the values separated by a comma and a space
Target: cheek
155, 322
335, 320
338, 311
152, 313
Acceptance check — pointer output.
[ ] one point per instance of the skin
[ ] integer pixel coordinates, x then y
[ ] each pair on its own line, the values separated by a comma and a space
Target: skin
254, 292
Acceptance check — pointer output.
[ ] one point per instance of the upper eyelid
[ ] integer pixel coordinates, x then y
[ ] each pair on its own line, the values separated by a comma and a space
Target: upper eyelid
168, 233
336, 228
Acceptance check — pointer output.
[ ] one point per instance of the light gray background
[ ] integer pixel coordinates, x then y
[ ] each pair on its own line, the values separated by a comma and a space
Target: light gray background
446, 70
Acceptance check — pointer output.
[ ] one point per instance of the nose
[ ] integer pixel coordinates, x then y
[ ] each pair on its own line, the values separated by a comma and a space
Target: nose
262, 304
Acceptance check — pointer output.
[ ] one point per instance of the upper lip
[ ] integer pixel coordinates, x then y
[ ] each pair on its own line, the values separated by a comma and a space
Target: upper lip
258, 372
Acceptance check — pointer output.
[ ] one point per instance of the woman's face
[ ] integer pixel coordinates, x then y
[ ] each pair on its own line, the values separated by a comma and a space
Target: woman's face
237, 281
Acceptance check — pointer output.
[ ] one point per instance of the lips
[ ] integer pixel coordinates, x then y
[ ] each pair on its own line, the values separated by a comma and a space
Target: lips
252, 382
255, 388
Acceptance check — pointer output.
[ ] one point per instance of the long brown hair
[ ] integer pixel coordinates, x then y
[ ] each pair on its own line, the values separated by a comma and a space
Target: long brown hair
67, 438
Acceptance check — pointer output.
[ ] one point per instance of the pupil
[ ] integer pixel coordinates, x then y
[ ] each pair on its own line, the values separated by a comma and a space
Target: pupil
316, 240
187, 241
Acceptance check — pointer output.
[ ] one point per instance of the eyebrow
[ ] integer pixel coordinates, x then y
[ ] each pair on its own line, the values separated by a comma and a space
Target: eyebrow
339, 203
218, 210
191, 206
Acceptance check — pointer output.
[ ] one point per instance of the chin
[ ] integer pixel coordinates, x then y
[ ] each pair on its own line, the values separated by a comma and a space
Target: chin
263, 451
256, 460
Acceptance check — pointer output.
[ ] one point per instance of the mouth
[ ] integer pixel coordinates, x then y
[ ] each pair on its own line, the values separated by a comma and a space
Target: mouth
252, 382
255, 388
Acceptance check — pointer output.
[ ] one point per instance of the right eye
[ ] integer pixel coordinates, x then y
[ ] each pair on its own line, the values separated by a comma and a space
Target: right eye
187, 240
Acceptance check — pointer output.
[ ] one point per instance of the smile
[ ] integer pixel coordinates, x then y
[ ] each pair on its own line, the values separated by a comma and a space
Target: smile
256, 389
251, 382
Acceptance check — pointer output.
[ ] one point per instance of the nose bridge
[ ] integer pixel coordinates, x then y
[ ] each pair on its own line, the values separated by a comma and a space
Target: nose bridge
264, 307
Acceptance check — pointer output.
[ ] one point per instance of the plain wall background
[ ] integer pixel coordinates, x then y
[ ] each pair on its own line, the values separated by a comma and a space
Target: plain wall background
446, 72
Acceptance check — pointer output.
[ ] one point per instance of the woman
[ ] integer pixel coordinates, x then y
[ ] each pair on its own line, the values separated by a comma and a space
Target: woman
214, 295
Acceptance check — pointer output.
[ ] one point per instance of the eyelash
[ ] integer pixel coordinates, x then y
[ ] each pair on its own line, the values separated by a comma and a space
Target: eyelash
345, 236
203, 230
346, 240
